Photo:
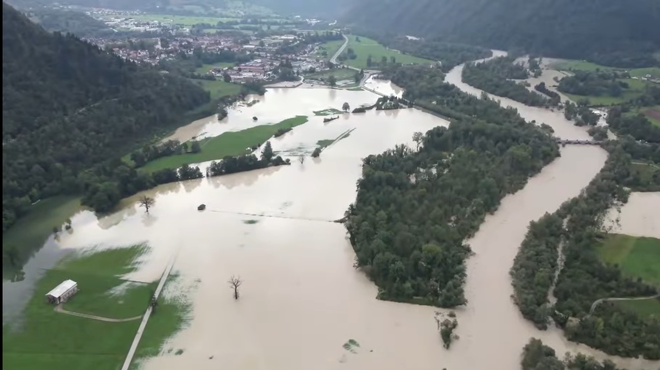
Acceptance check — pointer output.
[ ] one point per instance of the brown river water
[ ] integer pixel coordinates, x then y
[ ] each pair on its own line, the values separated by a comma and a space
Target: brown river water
301, 299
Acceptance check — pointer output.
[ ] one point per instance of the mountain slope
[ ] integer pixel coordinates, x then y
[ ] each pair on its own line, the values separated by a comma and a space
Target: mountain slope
67, 105
562, 28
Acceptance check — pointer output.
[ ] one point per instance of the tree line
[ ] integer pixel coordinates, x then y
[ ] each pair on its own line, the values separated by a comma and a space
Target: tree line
415, 207
597, 83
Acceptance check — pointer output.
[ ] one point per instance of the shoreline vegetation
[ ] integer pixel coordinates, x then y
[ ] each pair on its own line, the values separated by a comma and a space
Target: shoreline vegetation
576, 228
409, 239
43, 337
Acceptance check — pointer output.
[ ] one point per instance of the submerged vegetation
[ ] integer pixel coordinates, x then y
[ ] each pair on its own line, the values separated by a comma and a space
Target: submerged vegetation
415, 208
538, 356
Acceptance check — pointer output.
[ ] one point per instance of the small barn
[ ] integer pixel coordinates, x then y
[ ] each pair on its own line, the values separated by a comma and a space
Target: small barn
62, 292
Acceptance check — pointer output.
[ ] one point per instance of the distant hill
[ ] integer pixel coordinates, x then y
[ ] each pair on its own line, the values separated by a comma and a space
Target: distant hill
67, 105
560, 28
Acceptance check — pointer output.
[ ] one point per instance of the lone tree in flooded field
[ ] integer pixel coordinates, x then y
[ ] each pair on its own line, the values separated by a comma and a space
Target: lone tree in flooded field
235, 282
346, 107
301, 159
147, 202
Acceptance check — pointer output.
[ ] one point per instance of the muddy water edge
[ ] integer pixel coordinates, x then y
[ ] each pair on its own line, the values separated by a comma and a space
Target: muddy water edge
301, 300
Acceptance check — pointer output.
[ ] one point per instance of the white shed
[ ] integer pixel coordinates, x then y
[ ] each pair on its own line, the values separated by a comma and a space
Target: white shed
62, 292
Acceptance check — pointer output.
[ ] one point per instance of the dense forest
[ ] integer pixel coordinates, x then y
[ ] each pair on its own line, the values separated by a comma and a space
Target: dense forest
610, 32
576, 229
68, 106
538, 356
416, 206
494, 76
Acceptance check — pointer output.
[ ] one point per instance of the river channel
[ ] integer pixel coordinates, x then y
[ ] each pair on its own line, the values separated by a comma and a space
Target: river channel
301, 299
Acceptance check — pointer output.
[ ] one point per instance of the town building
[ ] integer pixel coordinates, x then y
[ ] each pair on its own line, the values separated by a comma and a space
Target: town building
62, 292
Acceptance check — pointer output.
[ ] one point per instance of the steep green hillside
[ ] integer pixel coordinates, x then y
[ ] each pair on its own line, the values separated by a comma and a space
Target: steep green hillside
67, 105
613, 32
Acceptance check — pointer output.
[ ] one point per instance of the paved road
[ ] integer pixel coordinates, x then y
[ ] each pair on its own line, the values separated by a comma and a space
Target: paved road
61, 309
595, 304
145, 318
341, 49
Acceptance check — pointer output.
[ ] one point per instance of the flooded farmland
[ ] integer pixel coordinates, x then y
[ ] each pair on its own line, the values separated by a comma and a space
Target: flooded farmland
302, 301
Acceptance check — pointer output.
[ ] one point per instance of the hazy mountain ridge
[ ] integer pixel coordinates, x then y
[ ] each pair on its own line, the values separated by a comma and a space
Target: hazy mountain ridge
562, 28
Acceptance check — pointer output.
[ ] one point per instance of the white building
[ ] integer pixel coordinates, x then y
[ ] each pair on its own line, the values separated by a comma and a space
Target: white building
62, 292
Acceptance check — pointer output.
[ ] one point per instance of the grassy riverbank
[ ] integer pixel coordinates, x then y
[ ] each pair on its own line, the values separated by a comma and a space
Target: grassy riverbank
227, 144
47, 339
366, 47
635, 90
638, 258
30, 232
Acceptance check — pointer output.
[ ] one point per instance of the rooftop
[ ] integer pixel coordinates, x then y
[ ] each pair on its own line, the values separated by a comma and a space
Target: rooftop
62, 288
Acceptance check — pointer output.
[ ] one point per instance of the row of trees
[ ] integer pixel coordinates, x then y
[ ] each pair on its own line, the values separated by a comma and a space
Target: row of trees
170, 147
584, 278
555, 99
246, 162
415, 208
494, 76
580, 113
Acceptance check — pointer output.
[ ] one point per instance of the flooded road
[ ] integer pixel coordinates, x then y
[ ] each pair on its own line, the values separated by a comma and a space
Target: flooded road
301, 299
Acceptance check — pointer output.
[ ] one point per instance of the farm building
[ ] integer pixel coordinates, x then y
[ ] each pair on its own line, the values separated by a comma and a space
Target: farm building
62, 292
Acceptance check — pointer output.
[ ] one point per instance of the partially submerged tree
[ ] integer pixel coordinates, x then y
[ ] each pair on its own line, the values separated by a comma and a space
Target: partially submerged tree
446, 331
147, 202
235, 282
418, 137
346, 107
332, 80
301, 159
316, 153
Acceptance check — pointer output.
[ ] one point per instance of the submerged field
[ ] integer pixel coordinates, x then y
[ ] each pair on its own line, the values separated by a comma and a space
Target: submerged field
229, 143
46, 339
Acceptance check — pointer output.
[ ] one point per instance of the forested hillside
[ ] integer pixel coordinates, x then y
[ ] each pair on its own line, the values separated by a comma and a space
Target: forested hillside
66, 106
606, 31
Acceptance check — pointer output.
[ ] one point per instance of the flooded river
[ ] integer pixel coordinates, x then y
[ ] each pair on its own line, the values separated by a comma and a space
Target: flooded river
301, 299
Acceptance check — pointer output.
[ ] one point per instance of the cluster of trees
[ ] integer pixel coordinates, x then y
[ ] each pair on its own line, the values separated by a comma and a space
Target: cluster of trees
580, 113
170, 147
350, 54
555, 99
623, 34
494, 76
576, 226
246, 162
68, 106
415, 208
637, 126
598, 83
383, 61
538, 356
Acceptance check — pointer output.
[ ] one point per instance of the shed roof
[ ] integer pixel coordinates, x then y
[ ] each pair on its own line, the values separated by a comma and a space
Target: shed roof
62, 288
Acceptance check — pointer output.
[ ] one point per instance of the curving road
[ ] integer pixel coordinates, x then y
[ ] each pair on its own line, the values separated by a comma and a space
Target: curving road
59, 308
596, 303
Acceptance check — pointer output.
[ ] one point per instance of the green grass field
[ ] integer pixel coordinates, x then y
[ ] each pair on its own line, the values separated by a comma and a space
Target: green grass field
635, 90
229, 143
331, 47
638, 258
367, 47
206, 68
581, 65
32, 230
218, 89
51, 340
339, 73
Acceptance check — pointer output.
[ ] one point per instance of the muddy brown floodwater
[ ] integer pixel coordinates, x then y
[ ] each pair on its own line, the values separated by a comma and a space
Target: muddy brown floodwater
301, 299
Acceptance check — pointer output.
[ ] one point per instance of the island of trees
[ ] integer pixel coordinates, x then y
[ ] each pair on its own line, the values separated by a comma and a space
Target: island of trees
415, 207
